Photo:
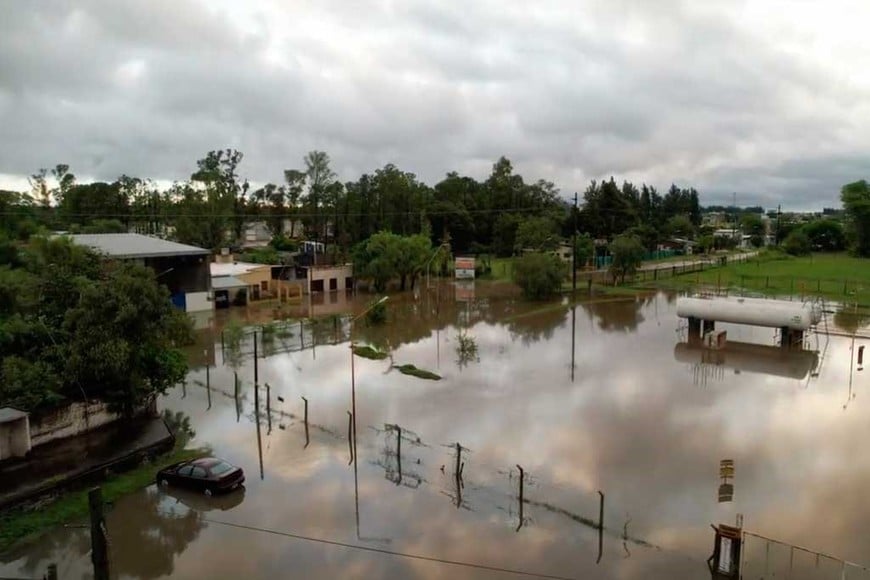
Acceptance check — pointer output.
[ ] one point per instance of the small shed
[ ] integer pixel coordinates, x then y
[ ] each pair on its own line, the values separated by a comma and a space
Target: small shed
14, 433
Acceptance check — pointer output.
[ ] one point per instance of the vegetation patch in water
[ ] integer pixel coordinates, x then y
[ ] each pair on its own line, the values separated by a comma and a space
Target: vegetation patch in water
419, 373
370, 352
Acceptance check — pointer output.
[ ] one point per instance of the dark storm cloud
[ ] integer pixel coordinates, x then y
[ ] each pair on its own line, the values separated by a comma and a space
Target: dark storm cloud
657, 92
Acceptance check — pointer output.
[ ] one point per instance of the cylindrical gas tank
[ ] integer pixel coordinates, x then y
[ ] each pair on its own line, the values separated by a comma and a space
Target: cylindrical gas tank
755, 311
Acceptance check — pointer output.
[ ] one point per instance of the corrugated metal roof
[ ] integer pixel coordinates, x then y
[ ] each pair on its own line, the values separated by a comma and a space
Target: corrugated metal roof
227, 283
8, 414
135, 246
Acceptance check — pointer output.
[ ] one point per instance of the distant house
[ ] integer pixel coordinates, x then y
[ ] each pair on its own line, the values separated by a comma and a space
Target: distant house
181, 268
257, 235
682, 245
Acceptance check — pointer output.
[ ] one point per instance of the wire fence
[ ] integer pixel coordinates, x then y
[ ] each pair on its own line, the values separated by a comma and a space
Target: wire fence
765, 558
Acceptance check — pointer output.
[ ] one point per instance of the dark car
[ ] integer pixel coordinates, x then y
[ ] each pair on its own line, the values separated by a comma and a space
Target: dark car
207, 474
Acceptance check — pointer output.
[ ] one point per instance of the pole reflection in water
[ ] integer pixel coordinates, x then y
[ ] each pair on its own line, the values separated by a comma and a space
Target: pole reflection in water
573, 335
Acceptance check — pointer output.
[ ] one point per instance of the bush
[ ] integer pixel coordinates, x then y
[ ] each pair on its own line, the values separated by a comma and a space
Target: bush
284, 244
797, 243
539, 275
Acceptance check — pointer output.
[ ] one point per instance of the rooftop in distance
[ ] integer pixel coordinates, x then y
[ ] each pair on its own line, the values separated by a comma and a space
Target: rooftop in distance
135, 246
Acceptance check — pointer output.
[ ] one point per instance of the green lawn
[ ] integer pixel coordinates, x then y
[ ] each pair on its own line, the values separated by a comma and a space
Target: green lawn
836, 277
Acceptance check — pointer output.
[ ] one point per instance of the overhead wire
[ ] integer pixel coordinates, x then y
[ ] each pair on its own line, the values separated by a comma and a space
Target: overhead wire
384, 551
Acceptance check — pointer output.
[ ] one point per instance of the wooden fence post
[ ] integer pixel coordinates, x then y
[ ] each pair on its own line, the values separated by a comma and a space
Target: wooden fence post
99, 535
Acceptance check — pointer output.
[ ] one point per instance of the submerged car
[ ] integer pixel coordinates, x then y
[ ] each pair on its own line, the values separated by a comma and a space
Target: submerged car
208, 474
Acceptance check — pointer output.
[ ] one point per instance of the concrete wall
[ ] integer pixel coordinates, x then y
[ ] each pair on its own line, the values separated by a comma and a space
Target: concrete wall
198, 302
339, 273
69, 421
14, 438
256, 278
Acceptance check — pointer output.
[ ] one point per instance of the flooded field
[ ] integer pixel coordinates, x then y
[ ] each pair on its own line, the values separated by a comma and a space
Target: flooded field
639, 416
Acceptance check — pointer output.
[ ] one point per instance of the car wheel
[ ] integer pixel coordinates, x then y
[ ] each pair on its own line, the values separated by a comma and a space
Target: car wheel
207, 491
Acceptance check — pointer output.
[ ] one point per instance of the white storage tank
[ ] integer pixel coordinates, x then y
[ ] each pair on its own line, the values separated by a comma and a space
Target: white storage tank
754, 311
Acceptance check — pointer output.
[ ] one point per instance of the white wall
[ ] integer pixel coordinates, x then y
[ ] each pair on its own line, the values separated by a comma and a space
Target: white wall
198, 302
14, 438
75, 419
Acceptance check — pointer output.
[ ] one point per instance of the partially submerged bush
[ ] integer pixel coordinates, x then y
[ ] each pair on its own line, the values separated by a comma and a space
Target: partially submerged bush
369, 352
409, 369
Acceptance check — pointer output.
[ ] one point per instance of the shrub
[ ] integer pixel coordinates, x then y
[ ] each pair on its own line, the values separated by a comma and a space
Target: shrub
797, 243
539, 275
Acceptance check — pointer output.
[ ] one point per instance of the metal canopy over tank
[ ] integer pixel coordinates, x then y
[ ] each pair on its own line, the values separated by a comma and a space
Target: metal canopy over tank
754, 311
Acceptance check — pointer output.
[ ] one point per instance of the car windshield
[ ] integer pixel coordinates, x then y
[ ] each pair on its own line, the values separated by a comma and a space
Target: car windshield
221, 467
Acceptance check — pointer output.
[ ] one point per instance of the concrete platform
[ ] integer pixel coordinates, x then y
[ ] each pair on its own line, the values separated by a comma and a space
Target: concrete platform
59, 465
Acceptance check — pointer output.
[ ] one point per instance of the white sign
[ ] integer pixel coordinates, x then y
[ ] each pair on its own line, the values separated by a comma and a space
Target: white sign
464, 268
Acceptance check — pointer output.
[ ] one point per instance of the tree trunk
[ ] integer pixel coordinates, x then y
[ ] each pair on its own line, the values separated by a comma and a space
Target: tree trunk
404, 278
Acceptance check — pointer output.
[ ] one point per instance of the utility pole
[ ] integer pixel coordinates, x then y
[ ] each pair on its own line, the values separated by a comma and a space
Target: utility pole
778, 216
574, 251
99, 535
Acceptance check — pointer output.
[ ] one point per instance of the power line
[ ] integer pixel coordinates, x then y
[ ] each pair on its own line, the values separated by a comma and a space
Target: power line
260, 216
390, 552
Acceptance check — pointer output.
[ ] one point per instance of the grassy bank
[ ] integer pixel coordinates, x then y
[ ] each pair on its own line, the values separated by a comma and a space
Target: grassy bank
835, 277
24, 524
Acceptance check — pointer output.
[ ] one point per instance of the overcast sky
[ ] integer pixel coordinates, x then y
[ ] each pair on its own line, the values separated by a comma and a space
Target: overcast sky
768, 99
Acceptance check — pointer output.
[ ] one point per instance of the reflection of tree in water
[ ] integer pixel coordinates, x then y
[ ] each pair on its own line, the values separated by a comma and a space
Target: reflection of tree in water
145, 537
57, 546
622, 316
851, 320
539, 325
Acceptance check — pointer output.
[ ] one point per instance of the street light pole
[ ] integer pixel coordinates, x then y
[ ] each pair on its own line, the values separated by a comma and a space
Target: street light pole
353, 371
429, 263
574, 250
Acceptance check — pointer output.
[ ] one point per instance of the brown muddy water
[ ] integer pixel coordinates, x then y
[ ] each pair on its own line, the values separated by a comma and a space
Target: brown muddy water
640, 417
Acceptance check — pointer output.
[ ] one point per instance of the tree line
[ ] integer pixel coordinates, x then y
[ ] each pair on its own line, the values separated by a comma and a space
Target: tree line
501, 215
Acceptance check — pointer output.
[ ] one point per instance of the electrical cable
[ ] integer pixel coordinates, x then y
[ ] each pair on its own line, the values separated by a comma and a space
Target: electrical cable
390, 552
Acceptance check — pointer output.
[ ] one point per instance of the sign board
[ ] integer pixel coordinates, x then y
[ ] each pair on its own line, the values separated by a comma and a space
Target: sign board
465, 291
464, 268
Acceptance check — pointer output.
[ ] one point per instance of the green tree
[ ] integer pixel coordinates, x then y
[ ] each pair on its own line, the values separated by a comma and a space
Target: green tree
583, 249
413, 253
751, 224
319, 176
537, 233
539, 275
627, 252
681, 226
797, 243
826, 235
376, 259
75, 326
82, 204
706, 243
856, 202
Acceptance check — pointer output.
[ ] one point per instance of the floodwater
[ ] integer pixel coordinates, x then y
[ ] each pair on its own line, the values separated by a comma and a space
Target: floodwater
640, 417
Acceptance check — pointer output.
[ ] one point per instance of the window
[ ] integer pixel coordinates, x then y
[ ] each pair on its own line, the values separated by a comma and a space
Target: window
333, 284
185, 471
221, 468
264, 285
198, 472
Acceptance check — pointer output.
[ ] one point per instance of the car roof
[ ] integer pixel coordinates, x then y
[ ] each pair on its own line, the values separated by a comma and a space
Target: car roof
205, 461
